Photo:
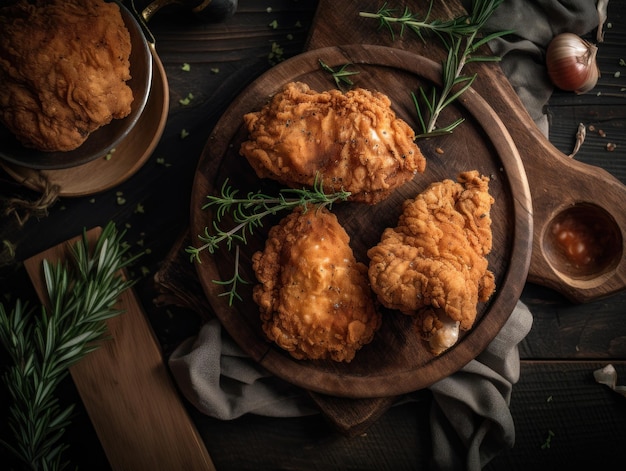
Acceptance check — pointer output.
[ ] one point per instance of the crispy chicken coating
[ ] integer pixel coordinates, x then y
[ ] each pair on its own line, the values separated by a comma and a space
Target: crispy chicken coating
433, 263
63, 68
314, 297
353, 140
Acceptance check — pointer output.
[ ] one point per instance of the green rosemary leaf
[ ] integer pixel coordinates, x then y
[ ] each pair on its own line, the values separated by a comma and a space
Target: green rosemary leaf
340, 76
483, 59
485, 39
441, 131
233, 283
48, 345
420, 115
8, 447
90, 334
52, 450
71, 354
62, 419
466, 82
42, 392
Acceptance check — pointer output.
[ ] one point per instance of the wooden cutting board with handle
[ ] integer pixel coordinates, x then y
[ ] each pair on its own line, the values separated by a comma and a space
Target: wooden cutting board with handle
127, 391
560, 186
563, 190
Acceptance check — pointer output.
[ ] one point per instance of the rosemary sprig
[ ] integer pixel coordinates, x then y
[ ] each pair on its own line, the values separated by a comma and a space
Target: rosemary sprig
248, 212
44, 343
454, 85
461, 38
419, 26
462, 25
233, 283
340, 76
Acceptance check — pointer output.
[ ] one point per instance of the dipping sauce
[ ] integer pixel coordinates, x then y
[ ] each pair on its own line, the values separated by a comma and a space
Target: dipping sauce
577, 241
583, 240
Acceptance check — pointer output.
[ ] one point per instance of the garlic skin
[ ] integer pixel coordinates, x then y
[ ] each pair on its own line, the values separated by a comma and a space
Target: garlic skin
571, 63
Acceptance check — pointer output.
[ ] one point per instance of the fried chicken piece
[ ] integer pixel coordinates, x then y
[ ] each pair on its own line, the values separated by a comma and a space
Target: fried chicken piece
353, 140
433, 265
63, 68
314, 297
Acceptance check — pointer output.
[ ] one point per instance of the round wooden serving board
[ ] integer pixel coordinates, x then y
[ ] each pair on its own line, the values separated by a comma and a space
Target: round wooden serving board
396, 361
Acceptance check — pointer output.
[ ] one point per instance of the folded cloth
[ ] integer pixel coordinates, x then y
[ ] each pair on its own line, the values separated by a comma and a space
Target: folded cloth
221, 381
470, 417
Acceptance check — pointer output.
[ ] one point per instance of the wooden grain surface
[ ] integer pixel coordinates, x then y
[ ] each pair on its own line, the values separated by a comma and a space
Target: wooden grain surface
563, 416
127, 390
559, 397
223, 59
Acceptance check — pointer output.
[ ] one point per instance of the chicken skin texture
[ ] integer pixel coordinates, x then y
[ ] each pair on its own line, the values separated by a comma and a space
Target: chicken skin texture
354, 141
433, 264
314, 297
63, 68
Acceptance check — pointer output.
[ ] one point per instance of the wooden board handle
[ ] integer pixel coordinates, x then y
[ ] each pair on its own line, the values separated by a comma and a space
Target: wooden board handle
590, 201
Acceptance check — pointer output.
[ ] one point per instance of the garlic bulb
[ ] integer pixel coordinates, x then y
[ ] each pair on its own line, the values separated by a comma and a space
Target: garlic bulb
571, 63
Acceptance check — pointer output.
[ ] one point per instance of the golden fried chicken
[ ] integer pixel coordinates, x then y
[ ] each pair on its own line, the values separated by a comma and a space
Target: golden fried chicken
63, 68
314, 297
433, 263
353, 140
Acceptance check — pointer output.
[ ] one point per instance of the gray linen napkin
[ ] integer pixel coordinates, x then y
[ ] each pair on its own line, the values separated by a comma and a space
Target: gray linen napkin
470, 417
221, 381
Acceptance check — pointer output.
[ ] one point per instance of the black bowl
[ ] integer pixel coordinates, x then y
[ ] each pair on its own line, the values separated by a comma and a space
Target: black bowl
104, 139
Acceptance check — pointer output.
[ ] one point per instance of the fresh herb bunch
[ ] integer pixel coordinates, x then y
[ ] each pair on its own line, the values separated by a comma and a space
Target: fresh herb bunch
43, 344
461, 37
248, 214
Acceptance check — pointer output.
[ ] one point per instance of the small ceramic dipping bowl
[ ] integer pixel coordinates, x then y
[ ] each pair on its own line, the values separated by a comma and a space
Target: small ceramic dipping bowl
101, 141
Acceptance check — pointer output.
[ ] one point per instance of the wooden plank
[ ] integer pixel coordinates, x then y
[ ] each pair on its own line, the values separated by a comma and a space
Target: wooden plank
584, 419
587, 420
127, 391
565, 330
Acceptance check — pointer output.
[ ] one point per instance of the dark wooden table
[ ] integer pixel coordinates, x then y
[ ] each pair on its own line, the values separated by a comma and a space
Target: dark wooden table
556, 393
